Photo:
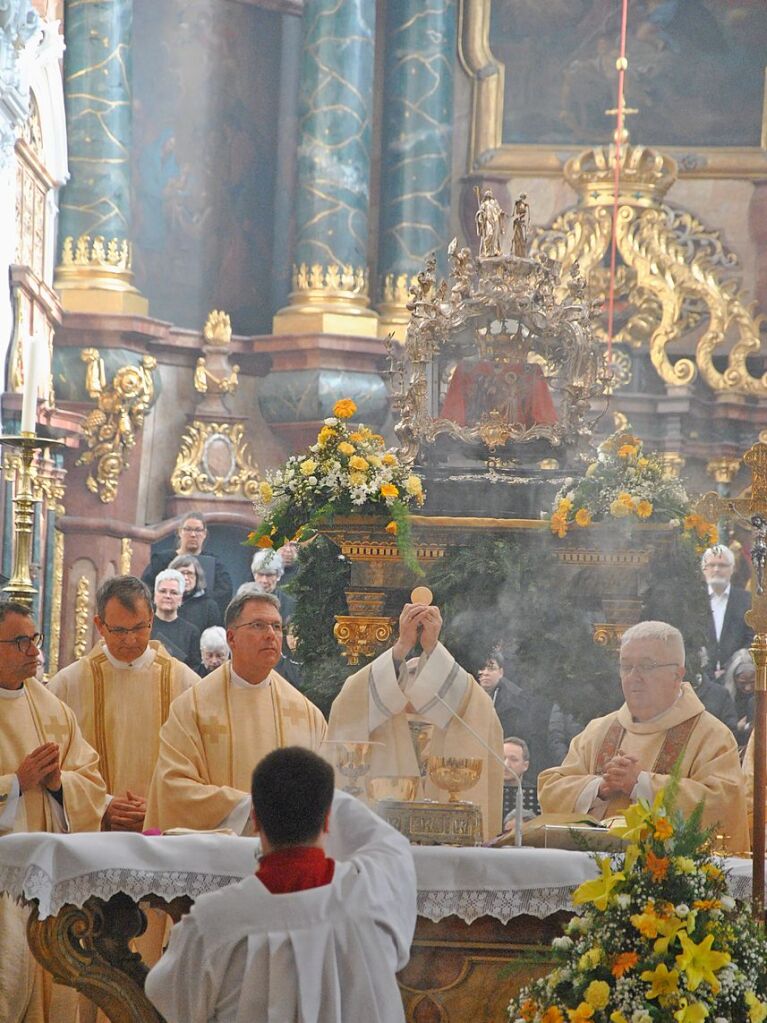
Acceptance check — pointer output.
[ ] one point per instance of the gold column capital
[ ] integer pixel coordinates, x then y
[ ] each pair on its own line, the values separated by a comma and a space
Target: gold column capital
95, 275
328, 299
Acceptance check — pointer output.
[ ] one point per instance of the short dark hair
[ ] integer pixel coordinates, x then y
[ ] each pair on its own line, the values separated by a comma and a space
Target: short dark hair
189, 561
235, 606
497, 657
127, 589
292, 791
192, 515
522, 745
14, 607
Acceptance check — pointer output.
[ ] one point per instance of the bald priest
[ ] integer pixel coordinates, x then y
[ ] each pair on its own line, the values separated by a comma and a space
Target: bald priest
380, 702
629, 754
217, 730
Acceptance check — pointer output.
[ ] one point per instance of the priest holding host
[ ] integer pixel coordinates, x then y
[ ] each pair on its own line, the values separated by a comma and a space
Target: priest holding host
630, 753
49, 781
219, 728
380, 702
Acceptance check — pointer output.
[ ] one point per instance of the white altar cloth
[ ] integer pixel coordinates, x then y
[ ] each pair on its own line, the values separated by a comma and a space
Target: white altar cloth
468, 883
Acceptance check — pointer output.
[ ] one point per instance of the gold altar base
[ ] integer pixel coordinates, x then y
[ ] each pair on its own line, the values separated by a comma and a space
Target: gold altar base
425, 822
308, 320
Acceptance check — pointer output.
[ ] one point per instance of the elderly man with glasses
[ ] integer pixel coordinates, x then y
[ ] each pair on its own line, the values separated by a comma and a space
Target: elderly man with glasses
222, 726
49, 781
630, 753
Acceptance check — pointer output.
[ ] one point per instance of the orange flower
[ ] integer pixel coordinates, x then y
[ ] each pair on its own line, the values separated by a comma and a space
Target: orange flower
583, 517
389, 490
344, 408
663, 829
553, 1015
657, 866
558, 525
265, 541
623, 963
644, 509
391, 527
252, 536
706, 904
583, 1013
528, 1009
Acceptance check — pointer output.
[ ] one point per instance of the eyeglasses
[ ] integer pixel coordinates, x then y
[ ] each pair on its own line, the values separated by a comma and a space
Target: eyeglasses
259, 627
193, 529
118, 630
644, 667
23, 643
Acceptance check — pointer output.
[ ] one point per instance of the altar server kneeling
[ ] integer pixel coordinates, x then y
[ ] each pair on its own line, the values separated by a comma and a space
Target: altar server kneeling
309, 937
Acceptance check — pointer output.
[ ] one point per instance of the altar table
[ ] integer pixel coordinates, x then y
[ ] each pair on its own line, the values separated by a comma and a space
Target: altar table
486, 917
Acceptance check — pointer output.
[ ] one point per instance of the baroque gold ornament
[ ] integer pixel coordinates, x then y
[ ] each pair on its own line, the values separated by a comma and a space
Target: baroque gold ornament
111, 428
215, 458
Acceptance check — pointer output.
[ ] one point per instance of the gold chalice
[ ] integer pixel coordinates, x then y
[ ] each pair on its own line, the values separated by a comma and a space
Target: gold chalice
403, 789
455, 773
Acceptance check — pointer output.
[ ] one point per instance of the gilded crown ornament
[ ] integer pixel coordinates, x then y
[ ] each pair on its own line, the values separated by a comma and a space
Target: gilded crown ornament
218, 328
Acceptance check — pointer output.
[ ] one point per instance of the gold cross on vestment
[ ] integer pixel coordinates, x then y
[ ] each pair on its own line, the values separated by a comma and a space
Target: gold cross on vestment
214, 729
295, 715
55, 731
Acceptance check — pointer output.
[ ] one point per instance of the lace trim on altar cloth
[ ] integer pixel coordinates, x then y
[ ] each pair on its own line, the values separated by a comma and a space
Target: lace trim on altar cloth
471, 905
31, 882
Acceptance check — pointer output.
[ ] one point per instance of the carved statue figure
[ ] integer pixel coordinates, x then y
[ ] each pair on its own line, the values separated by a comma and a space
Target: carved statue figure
95, 376
206, 382
490, 219
520, 226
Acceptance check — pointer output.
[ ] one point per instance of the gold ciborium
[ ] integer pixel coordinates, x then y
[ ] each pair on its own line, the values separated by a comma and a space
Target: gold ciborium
455, 773
353, 762
401, 789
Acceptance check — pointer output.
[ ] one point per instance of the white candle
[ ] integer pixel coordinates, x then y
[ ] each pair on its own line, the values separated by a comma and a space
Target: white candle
29, 401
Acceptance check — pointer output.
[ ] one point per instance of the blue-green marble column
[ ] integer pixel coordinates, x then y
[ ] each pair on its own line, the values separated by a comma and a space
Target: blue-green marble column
417, 144
95, 210
333, 168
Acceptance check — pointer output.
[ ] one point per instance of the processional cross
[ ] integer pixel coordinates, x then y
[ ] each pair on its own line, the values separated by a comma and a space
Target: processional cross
753, 511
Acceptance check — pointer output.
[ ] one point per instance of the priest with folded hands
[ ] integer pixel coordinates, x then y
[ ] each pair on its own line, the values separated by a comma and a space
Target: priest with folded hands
629, 754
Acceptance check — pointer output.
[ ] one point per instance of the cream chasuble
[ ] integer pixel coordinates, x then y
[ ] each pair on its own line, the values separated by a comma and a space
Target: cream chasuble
372, 705
30, 717
748, 770
710, 768
215, 734
121, 708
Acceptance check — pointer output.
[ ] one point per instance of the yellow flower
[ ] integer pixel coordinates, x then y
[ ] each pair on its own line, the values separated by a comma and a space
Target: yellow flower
375, 461
637, 820
581, 1014
583, 517
592, 468
265, 491
345, 448
713, 872
558, 525
389, 459
565, 506
597, 994
326, 433
662, 981
617, 1017
598, 891
389, 490
627, 451
413, 485
357, 479
700, 962
357, 462
344, 408
694, 1013
391, 527
668, 930
756, 1010
642, 463
307, 467
663, 829
590, 959
684, 864
552, 1015
647, 923
644, 509
358, 435
619, 510
377, 439
625, 498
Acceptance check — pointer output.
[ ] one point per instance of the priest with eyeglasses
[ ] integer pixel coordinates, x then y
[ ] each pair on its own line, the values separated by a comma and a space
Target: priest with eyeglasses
629, 754
49, 781
223, 725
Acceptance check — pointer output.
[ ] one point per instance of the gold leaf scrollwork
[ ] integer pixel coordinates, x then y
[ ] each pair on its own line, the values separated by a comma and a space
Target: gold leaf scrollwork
197, 472
362, 637
82, 615
56, 599
110, 429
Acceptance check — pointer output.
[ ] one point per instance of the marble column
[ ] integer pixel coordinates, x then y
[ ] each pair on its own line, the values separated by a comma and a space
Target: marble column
94, 270
330, 274
416, 147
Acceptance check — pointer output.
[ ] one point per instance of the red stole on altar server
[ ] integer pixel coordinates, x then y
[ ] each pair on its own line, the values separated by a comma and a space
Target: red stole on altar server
295, 869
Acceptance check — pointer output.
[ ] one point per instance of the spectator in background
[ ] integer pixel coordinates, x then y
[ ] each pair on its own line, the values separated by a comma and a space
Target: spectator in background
192, 534
214, 649
563, 728
516, 756
739, 681
717, 701
509, 700
288, 667
268, 570
727, 629
197, 607
181, 639
289, 554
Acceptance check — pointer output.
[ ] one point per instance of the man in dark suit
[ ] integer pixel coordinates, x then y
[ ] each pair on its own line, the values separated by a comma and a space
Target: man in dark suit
510, 702
727, 629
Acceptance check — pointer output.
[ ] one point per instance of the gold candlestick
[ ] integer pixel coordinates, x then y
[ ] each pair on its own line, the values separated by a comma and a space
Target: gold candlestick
20, 586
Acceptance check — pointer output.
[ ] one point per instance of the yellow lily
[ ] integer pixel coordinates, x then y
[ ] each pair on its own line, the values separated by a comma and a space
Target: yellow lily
598, 891
700, 962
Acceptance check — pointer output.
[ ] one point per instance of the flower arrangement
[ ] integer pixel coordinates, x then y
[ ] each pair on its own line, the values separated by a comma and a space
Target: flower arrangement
625, 483
659, 941
348, 469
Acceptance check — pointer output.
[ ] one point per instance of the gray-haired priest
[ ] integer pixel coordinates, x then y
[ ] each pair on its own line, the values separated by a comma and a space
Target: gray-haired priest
630, 753
217, 730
